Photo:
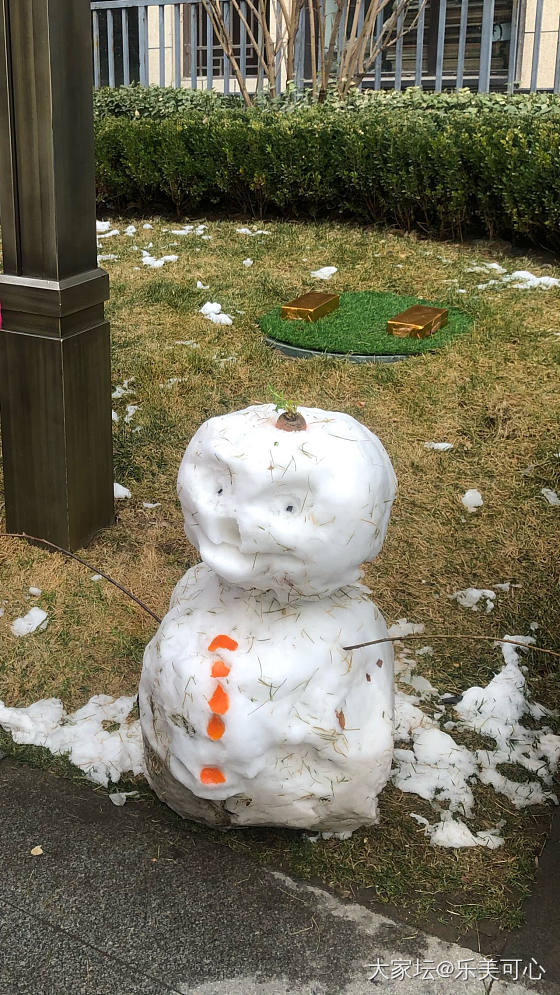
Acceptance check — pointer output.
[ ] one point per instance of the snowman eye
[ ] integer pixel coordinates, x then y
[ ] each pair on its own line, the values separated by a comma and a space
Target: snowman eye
221, 490
290, 507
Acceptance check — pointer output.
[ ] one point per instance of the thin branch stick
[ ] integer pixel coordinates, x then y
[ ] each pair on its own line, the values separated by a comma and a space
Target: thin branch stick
456, 635
74, 556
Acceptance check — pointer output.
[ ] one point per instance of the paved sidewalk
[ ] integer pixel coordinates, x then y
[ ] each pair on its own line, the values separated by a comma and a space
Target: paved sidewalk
123, 902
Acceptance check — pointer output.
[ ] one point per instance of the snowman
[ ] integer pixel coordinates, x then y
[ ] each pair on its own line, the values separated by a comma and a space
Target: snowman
252, 710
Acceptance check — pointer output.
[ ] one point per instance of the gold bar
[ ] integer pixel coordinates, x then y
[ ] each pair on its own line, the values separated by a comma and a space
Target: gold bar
311, 306
418, 322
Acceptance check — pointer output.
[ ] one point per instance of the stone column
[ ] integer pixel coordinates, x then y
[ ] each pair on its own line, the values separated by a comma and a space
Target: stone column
55, 382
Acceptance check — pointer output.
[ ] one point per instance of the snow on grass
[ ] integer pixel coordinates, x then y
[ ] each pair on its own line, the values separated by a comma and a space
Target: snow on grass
247, 231
108, 257
442, 771
189, 230
213, 311
472, 500
550, 496
151, 504
471, 597
131, 230
248, 261
35, 619
325, 273
109, 234
523, 279
154, 263
103, 753
102, 226
450, 832
35, 592
439, 447
131, 410
121, 493
122, 390
202, 286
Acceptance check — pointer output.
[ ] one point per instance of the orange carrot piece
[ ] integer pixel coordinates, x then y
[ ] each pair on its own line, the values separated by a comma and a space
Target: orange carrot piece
219, 702
212, 775
216, 727
220, 669
223, 643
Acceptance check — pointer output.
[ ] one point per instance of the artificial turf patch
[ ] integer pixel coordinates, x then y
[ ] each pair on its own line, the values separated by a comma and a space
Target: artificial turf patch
359, 326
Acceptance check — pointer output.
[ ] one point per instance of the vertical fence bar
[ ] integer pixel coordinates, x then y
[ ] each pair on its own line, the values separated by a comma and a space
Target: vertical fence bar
440, 45
177, 44
399, 51
557, 68
194, 46
420, 44
512, 60
486, 46
536, 46
378, 30
243, 40
462, 42
161, 44
111, 47
142, 45
300, 52
125, 47
227, 25
96, 66
209, 53
360, 26
260, 70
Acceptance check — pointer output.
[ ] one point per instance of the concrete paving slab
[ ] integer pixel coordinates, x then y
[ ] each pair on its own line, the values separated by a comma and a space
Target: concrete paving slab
121, 901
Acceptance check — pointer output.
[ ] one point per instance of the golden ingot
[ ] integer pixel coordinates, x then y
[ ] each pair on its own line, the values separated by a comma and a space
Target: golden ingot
418, 322
311, 306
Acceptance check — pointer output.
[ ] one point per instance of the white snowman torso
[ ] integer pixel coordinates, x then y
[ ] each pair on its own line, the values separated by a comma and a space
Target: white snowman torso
252, 710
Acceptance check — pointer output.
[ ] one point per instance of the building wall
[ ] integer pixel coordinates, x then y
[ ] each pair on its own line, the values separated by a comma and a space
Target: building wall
548, 45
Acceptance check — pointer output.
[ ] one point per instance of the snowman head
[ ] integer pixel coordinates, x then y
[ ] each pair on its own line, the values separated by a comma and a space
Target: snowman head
296, 512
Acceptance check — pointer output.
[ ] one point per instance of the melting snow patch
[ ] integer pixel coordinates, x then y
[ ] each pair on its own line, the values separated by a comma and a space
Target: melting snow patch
106, 258
440, 447
551, 496
96, 577
471, 596
35, 619
151, 504
35, 592
522, 279
122, 390
109, 234
131, 410
121, 493
450, 832
472, 500
440, 770
119, 797
213, 311
147, 227
202, 286
131, 230
247, 231
149, 260
101, 226
248, 262
325, 273
103, 755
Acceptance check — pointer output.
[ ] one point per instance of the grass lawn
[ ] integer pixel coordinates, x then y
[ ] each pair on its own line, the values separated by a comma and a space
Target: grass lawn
359, 326
491, 391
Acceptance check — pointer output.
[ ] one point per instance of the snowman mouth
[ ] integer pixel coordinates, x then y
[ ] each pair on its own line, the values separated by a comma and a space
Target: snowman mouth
233, 564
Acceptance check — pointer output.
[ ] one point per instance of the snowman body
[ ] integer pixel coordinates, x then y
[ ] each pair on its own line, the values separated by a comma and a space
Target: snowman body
253, 709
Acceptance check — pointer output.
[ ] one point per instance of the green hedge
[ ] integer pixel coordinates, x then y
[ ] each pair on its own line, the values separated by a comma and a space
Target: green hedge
445, 164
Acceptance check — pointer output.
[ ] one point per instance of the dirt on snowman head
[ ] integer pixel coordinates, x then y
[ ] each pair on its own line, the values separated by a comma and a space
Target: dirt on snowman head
252, 711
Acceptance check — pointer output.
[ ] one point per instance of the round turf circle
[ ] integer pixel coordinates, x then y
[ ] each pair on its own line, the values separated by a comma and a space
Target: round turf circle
359, 326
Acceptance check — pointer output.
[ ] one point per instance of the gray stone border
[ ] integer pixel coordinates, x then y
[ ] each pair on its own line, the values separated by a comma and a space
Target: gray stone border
295, 352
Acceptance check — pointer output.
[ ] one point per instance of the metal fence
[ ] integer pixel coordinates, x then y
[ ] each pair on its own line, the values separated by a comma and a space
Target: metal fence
503, 45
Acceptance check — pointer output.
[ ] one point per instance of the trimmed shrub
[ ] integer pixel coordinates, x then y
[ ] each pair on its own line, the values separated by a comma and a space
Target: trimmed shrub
445, 164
